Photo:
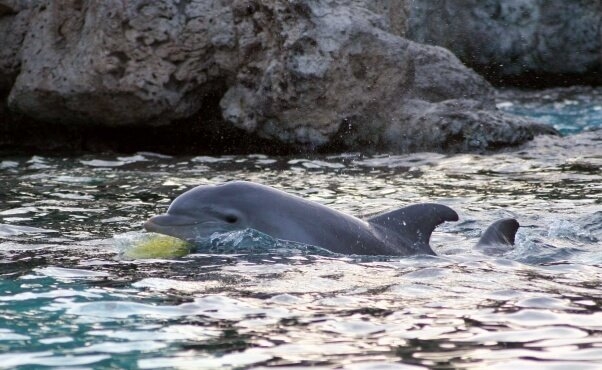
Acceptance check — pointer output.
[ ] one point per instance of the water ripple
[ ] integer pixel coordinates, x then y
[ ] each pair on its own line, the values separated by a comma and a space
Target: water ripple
248, 300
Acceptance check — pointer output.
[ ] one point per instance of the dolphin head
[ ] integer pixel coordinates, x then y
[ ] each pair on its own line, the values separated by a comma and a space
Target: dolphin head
202, 211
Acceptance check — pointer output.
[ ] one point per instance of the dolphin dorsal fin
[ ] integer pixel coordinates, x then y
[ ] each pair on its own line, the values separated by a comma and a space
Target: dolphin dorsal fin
416, 222
501, 232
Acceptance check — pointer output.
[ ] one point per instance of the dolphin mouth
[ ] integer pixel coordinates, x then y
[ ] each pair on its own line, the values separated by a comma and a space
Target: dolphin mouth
183, 227
158, 223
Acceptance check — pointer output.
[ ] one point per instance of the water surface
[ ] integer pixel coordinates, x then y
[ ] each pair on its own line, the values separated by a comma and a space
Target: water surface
568, 110
68, 301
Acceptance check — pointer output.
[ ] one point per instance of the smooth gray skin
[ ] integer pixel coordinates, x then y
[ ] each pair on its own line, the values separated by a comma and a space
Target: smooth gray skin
239, 205
501, 232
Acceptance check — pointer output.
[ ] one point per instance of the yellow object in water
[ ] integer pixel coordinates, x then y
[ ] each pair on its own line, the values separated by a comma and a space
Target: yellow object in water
155, 246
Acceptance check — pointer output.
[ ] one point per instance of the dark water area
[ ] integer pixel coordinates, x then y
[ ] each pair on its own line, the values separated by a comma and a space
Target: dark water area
68, 300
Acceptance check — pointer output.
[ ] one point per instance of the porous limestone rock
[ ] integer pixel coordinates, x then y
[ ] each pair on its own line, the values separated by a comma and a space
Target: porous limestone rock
304, 73
513, 39
123, 62
321, 67
14, 23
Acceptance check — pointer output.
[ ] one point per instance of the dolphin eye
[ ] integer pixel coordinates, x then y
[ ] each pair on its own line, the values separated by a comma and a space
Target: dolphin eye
231, 219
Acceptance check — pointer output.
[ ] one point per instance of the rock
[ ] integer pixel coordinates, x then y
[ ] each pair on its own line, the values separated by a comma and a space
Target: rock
394, 12
122, 63
306, 74
332, 66
14, 24
539, 42
339, 78
449, 126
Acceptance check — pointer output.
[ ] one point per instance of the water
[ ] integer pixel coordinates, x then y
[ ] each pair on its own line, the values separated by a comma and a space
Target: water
68, 301
569, 110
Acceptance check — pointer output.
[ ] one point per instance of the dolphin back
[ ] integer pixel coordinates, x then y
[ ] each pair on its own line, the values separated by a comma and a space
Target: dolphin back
415, 224
501, 232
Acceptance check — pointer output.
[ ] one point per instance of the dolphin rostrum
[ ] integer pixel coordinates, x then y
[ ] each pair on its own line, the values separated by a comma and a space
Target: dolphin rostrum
239, 205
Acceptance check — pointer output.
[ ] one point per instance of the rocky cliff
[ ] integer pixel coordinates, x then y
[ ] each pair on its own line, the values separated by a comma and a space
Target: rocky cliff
515, 42
303, 74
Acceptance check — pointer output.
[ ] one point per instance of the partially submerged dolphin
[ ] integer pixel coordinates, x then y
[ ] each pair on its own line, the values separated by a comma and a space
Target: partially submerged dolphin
501, 232
239, 205
499, 237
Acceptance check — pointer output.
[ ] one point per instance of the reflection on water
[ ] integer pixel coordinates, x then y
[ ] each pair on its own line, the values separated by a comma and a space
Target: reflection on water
66, 299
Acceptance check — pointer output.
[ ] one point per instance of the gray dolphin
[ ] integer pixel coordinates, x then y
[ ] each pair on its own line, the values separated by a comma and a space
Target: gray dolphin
499, 237
501, 232
238, 205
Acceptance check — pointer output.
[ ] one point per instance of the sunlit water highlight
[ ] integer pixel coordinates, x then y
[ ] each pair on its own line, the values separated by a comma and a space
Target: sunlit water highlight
68, 301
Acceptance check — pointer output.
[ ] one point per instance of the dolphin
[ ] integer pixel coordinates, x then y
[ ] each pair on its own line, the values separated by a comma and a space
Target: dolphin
501, 232
238, 205
499, 237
